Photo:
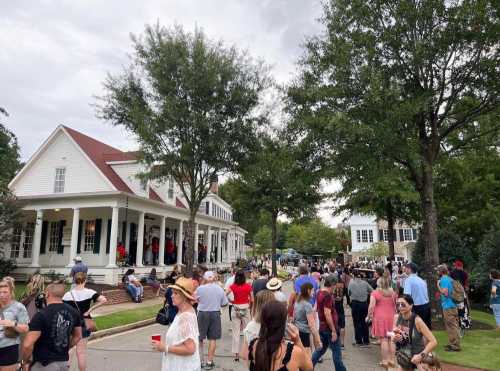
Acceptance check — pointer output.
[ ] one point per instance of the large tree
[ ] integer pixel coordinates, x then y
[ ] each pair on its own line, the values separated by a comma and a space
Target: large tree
401, 78
280, 181
192, 105
10, 213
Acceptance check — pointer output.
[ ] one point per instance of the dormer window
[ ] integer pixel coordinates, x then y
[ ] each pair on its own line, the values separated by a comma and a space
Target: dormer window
60, 180
170, 188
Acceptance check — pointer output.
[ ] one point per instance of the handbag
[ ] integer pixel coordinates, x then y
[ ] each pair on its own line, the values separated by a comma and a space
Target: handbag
162, 317
88, 322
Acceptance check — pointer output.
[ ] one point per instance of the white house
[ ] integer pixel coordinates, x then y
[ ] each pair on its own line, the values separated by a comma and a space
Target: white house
81, 196
368, 229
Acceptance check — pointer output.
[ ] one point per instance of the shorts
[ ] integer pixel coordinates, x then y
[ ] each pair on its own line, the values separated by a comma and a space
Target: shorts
209, 325
9, 355
339, 307
52, 366
305, 338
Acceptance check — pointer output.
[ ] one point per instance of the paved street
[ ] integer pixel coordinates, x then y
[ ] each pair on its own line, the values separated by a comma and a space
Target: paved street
131, 352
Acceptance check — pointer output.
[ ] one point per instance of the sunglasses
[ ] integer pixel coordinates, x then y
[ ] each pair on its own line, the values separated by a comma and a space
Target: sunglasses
401, 305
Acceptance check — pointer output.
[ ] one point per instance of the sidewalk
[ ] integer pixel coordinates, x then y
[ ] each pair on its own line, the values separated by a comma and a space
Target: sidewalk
108, 309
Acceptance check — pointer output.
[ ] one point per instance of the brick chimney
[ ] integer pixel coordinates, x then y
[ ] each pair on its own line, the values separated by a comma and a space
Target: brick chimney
214, 184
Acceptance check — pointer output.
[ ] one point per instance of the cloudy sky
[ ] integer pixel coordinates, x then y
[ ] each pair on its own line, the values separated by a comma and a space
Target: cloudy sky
54, 55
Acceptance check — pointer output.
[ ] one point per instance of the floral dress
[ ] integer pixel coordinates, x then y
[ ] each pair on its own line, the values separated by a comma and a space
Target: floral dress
185, 326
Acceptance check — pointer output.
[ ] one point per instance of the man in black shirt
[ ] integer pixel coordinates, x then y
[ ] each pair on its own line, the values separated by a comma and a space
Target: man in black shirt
261, 282
53, 331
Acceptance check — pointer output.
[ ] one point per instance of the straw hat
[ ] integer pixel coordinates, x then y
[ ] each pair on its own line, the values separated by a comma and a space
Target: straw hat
184, 285
274, 284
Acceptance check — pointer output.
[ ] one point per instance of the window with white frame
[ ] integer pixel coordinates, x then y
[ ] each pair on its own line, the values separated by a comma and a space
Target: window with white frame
60, 180
89, 239
364, 235
385, 234
15, 246
408, 235
170, 188
54, 236
370, 235
358, 236
28, 240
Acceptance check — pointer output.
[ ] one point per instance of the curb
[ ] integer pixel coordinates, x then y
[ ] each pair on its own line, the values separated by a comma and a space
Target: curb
118, 329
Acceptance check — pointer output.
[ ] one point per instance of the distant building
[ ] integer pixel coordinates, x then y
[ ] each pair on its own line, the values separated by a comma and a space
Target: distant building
368, 229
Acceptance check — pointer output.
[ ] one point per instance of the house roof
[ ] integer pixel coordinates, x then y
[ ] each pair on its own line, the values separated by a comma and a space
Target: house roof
101, 153
97, 151
179, 203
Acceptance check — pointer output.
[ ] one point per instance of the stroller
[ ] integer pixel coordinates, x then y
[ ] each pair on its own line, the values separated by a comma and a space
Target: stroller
464, 319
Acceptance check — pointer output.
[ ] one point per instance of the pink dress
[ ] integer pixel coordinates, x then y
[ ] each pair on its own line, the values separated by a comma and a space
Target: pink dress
383, 315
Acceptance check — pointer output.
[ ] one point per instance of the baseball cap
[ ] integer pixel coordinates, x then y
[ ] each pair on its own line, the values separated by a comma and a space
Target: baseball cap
209, 275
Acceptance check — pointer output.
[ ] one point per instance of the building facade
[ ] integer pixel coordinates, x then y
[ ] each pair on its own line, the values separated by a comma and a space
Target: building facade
368, 229
81, 197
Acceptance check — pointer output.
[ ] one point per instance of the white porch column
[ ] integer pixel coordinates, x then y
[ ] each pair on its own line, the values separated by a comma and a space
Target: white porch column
161, 256
196, 243
179, 242
209, 244
37, 239
219, 246
140, 240
74, 237
113, 237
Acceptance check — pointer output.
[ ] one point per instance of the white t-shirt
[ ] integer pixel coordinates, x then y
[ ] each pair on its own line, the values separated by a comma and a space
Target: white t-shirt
251, 331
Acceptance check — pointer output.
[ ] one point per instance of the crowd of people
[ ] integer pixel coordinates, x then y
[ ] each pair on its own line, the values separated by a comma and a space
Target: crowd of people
279, 333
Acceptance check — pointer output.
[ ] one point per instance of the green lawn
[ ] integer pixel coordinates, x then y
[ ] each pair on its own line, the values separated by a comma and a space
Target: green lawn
127, 316
480, 348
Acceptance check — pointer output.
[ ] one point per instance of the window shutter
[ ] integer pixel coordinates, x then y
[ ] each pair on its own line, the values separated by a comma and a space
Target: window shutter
43, 242
60, 247
80, 230
401, 235
124, 232
414, 234
380, 234
97, 236
108, 236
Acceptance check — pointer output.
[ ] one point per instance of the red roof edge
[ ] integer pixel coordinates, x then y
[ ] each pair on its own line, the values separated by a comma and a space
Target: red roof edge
154, 196
178, 203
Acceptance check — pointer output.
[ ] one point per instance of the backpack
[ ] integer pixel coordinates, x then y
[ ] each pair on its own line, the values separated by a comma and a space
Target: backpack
458, 293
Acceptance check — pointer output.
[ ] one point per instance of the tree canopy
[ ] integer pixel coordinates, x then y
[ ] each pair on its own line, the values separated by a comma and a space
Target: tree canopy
192, 103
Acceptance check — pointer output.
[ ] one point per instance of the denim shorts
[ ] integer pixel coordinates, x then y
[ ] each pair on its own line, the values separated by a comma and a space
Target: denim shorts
496, 313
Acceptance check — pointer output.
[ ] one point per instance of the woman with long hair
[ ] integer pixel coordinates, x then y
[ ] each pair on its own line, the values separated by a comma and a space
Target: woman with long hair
414, 341
252, 330
241, 299
180, 346
14, 322
133, 285
270, 351
304, 318
381, 313
81, 298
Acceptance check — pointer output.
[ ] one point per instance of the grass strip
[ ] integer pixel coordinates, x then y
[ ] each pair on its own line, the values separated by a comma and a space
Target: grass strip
127, 316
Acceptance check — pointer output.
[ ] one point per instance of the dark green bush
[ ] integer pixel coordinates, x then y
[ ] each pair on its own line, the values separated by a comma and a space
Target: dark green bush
489, 258
6, 266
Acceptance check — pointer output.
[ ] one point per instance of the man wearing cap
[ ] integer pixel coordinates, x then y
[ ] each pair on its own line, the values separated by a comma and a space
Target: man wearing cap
416, 287
78, 267
460, 275
450, 311
211, 298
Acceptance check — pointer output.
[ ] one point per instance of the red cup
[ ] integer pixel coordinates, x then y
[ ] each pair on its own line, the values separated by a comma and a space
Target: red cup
156, 337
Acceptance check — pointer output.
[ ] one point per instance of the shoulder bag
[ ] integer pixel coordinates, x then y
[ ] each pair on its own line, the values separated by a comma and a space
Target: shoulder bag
88, 322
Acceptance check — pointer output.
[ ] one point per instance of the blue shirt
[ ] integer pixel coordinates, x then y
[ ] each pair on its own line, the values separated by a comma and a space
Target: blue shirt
417, 289
303, 279
447, 302
211, 297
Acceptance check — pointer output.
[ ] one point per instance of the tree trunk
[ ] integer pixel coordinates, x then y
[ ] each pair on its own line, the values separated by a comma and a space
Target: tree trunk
189, 254
429, 235
274, 237
390, 227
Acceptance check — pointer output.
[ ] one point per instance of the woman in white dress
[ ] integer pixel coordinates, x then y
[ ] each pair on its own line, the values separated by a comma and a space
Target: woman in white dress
180, 347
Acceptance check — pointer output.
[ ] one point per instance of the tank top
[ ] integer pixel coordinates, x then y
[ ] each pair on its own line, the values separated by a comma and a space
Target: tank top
286, 358
412, 338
